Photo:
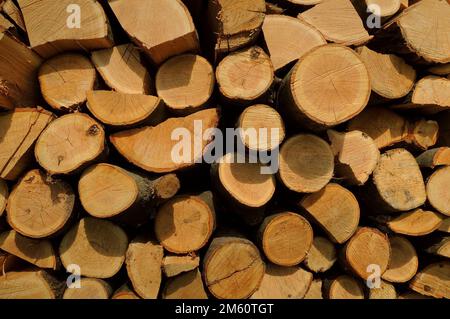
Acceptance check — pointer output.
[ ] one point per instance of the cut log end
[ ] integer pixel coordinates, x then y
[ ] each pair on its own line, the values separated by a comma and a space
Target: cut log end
185, 286
403, 262
433, 280
175, 265
90, 288
438, 186
345, 287
384, 291
418, 222
28, 285
321, 256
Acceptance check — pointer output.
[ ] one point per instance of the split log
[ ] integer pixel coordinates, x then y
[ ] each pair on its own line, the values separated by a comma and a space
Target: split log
124, 292
315, 290
122, 70
245, 77
144, 260
234, 23
185, 286
232, 175
19, 130
70, 143
440, 69
29, 285
175, 265
438, 187
184, 224
431, 95
403, 262
342, 80
368, 246
120, 110
344, 287
40, 206
283, 283
3, 196
18, 73
390, 76
109, 191
445, 226
90, 288
152, 148
285, 238
335, 209
149, 27
422, 134
433, 281
305, 171
344, 28
356, 155
261, 128
439, 247
418, 222
405, 34
37, 252
185, 83
282, 46
397, 182
97, 246
64, 80
232, 268
10, 9
434, 157
85, 27
385, 291
322, 255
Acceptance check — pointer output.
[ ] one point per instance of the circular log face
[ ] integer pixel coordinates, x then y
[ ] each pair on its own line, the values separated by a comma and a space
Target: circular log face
90, 288
286, 238
438, 190
384, 291
346, 287
330, 90
184, 224
386, 7
403, 263
39, 207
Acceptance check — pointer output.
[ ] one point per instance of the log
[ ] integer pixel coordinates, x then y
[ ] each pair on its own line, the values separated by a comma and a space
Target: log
433, 281
386, 8
232, 268
282, 46
18, 73
344, 28
305, 2
430, 96
109, 191
403, 263
184, 224
38, 252
19, 130
422, 134
97, 246
405, 35
335, 209
439, 247
40, 206
368, 246
439, 156
245, 77
49, 37
64, 80
305, 171
3, 196
438, 185
5, 24
234, 24
122, 70
390, 76
356, 155
175, 265
418, 222
322, 255
342, 79
344, 287
10, 9
262, 128
315, 290
385, 291
150, 28
120, 110
144, 259
90, 288
285, 238
397, 182
150, 148
70, 143
185, 83
283, 283
124, 292
35, 284
185, 286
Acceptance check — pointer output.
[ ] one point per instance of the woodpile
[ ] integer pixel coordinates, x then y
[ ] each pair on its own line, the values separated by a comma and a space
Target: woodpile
261, 149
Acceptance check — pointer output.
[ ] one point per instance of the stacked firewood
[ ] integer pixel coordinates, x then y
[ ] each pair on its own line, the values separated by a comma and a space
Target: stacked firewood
111, 111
